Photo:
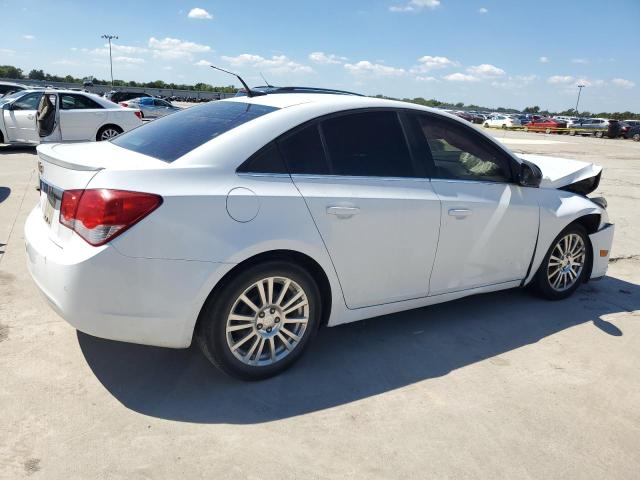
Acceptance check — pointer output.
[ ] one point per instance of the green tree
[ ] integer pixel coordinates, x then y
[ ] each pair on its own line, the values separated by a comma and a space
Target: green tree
37, 75
9, 71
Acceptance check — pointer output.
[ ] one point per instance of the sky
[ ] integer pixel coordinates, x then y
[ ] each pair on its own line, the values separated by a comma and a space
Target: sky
488, 52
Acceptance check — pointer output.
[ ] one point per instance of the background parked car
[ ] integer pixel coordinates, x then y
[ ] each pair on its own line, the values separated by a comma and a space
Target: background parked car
501, 121
634, 133
151, 107
64, 115
547, 125
117, 97
7, 88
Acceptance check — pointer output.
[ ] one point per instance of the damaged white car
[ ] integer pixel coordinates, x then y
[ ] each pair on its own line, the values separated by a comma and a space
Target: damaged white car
248, 223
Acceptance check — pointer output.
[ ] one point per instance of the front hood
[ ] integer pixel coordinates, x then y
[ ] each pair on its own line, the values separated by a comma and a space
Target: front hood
564, 172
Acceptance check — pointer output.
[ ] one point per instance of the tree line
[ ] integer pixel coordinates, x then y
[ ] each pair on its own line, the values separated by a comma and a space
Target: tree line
9, 71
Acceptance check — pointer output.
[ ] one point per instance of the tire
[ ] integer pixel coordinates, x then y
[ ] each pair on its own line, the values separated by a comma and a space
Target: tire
554, 280
572, 133
636, 137
598, 134
1, 137
108, 132
486, 125
526, 129
547, 131
254, 355
504, 127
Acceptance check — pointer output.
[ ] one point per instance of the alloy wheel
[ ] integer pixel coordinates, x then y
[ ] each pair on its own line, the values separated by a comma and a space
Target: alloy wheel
109, 133
267, 321
566, 262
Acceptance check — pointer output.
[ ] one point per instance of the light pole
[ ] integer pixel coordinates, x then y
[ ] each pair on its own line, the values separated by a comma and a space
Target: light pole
580, 87
110, 37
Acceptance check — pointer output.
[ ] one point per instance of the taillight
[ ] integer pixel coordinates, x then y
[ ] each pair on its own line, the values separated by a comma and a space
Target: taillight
138, 114
100, 215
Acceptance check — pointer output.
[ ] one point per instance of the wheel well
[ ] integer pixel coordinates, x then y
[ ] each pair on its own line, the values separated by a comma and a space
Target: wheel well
297, 258
107, 126
590, 223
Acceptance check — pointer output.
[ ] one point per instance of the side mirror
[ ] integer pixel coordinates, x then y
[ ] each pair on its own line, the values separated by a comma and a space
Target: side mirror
530, 175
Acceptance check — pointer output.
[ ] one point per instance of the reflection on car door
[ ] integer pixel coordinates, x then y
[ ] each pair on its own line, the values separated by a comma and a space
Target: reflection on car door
80, 117
20, 120
489, 224
375, 210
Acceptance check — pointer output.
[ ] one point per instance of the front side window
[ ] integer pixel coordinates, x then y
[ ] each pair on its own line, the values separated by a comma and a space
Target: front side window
77, 102
28, 102
173, 136
459, 153
370, 144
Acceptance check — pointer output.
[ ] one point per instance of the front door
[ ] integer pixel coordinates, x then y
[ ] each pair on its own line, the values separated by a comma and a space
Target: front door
48, 118
376, 212
489, 223
20, 119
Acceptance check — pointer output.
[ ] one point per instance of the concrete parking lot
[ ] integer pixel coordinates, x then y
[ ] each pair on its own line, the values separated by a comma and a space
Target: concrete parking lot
500, 385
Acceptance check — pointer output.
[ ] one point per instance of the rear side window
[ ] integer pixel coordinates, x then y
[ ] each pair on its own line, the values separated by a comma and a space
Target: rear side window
370, 144
303, 153
175, 135
77, 102
266, 160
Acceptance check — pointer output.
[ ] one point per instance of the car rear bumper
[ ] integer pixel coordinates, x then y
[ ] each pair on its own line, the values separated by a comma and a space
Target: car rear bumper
601, 242
106, 294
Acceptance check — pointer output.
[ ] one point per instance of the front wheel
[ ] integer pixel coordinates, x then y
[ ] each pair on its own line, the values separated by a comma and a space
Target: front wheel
486, 125
564, 267
261, 321
636, 137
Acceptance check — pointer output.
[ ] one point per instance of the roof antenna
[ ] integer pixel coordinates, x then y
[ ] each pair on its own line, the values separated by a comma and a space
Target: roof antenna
266, 82
250, 93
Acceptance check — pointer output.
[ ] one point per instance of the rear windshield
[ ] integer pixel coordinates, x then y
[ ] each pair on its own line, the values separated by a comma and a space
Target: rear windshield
175, 135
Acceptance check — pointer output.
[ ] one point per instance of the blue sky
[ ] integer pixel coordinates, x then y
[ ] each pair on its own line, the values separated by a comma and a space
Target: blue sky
489, 52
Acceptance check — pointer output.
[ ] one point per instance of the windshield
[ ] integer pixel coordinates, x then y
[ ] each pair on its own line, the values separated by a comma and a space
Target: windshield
12, 96
175, 135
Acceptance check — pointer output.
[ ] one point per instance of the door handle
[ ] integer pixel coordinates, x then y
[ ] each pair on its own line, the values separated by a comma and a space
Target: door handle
459, 212
343, 212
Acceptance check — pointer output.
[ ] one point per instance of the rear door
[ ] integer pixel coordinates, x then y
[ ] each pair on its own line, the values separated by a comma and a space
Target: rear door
80, 117
372, 204
489, 223
20, 120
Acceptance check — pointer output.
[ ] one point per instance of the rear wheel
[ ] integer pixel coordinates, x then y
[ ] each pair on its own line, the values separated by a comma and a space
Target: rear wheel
261, 321
486, 125
504, 127
564, 267
636, 137
572, 133
108, 132
547, 131
526, 129
599, 134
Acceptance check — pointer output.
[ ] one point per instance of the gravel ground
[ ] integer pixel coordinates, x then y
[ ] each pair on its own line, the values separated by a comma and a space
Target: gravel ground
495, 386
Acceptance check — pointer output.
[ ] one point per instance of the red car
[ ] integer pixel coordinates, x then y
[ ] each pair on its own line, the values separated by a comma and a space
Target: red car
547, 125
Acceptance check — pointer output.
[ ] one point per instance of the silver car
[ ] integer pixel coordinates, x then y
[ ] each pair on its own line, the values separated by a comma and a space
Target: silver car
151, 107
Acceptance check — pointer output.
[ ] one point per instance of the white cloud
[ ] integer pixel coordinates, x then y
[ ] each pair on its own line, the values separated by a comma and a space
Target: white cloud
561, 79
415, 5
544, 59
377, 69
517, 81
29, 37
485, 70
7, 51
460, 77
173, 48
622, 82
200, 14
202, 63
421, 78
483, 10
277, 64
428, 62
129, 60
579, 60
325, 58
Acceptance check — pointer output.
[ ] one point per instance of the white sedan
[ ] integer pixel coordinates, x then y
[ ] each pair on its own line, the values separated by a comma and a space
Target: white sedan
501, 121
43, 116
248, 223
